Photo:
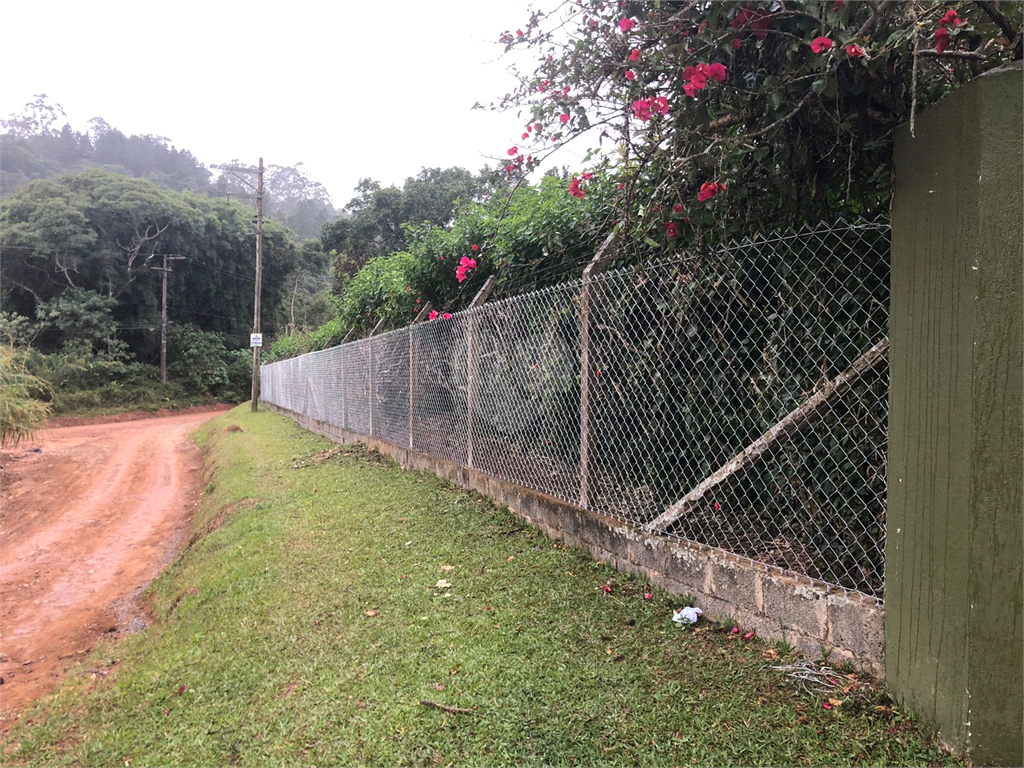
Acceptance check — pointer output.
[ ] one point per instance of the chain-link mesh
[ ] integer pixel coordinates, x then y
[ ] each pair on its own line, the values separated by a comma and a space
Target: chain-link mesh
736, 397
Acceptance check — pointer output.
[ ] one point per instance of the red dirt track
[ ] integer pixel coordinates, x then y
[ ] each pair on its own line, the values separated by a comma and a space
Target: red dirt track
85, 525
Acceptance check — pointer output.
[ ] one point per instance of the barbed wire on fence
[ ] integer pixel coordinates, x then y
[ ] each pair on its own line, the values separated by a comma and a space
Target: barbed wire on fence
735, 397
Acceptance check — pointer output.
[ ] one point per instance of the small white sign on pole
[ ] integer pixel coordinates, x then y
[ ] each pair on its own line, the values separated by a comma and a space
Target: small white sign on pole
255, 339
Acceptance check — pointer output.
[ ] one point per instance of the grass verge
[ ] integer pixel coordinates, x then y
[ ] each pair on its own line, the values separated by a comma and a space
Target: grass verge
326, 595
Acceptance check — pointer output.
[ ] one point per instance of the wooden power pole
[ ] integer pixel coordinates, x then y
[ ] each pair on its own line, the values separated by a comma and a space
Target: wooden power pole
259, 272
259, 283
163, 315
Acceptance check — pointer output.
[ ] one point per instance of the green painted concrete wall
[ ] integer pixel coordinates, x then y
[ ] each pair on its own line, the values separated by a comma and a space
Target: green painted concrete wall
955, 522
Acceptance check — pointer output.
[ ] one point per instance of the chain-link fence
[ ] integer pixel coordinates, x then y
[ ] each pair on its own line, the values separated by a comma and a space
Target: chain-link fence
736, 397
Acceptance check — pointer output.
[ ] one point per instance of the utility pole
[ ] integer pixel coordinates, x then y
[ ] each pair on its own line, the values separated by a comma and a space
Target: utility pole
259, 268
259, 284
163, 315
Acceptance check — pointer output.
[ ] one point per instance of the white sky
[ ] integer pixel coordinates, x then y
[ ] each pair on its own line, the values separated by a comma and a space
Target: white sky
349, 89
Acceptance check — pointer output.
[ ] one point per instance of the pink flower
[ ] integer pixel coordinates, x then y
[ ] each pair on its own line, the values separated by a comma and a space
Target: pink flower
717, 72
634, 55
432, 315
950, 19
854, 51
691, 89
475, 247
838, 4
630, 75
563, 118
575, 190
749, 635
525, 136
941, 39
626, 24
826, 705
709, 189
648, 596
672, 229
736, 43
536, 126
642, 109
509, 168
519, 33
606, 589
820, 44
543, 86
735, 630
467, 262
447, 315
661, 105
677, 208
588, 176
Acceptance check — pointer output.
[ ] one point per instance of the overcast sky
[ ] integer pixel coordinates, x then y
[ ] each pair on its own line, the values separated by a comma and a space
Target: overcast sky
349, 89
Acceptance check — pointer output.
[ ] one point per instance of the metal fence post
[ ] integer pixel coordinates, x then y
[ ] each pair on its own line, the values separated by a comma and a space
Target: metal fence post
472, 385
596, 266
412, 370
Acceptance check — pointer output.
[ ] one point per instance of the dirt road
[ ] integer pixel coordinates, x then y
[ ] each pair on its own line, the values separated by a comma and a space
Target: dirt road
89, 515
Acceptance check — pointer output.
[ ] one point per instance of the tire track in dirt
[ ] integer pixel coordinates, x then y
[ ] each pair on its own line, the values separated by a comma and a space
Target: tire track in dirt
84, 526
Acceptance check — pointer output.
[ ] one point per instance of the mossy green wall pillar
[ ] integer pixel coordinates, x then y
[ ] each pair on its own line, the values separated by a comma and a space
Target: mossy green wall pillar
953, 596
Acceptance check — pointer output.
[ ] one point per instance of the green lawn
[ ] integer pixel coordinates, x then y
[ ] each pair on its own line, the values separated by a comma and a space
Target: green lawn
328, 593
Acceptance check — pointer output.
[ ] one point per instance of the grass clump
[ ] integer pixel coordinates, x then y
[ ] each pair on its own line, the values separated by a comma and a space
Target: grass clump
326, 595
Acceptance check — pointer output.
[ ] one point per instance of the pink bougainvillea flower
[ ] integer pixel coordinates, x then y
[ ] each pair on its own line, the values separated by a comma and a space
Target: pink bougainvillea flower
509, 168
838, 4
709, 189
854, 51
588, 176
563, 118
820, 44
519, 33
672, 229
691, 89
574, 188
512, 151
475, 247
749, 635
432, 315
626, 24
642, 109
677, 208
717, 507
648, 596
447, 315
536, 126
467, 262
717, 72
736, 43
525, 136
620, 186
735, 630
630, 75
941, 39
950, 19
634, 55
697, 75
826, 705
606, 589
661, 105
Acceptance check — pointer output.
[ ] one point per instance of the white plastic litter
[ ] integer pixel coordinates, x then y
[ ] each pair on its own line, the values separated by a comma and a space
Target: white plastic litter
687, 615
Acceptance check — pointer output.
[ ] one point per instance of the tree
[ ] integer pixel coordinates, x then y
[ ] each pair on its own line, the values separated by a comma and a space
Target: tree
375, 220
105, 233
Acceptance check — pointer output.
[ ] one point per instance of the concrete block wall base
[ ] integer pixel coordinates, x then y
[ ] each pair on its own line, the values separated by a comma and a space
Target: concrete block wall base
809, 615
